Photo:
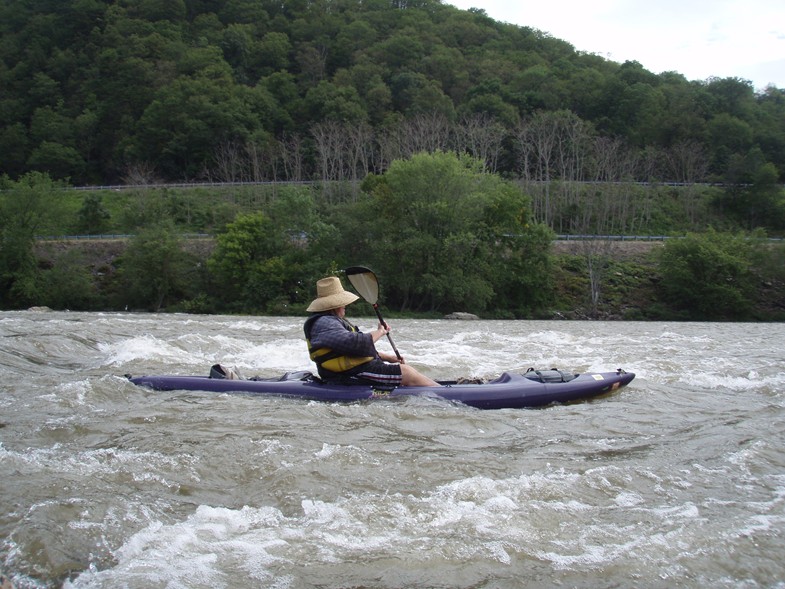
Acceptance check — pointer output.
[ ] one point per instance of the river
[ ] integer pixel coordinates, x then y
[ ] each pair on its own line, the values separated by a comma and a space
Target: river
676, 480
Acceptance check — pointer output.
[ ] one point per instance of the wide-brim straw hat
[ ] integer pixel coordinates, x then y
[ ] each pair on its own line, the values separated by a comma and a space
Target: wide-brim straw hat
330, 295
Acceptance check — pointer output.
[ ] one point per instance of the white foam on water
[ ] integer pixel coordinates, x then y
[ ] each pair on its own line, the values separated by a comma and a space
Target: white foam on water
55, 461
273, 357
70, 394
573, 521
629, 499
143, 348
201, 551
742, 381
247, 325
282, 326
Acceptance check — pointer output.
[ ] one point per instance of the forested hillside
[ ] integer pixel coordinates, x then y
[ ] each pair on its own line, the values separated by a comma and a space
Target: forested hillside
437, 145
124, 91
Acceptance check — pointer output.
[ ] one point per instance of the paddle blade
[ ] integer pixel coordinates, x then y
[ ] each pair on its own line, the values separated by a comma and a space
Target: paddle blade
364, 282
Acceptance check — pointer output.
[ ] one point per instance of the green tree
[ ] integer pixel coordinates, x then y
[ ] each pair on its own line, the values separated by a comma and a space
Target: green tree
28, 207
734, 96
14, 147
92, 217
154, 10
707, 276
262, 259
752, 194
772, 196
155, 271
244, 262
765, 199
445, 234
328, 102
274, 49
728, 136
91, 88
188, 120
68, 283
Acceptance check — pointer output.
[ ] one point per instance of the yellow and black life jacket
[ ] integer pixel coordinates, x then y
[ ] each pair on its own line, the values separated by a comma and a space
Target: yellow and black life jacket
329, 359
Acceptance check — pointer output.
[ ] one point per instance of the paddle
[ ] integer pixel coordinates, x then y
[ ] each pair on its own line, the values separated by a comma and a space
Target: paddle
364, 282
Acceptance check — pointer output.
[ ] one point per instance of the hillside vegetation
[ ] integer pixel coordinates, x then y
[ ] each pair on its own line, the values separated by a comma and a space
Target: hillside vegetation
438, 145
443, 234
104, 92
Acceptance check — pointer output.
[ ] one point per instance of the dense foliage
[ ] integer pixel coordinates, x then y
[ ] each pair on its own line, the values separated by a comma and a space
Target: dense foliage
442, 234
100, 91
26, 207
708, 276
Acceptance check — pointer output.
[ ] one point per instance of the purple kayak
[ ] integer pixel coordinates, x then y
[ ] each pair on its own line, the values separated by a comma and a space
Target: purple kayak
535, 388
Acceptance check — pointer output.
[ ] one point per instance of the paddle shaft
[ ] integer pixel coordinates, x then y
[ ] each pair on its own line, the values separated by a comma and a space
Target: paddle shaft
389, 337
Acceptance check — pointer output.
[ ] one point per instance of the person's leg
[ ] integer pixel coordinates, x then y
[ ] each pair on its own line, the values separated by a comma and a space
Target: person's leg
412, 378
395, 375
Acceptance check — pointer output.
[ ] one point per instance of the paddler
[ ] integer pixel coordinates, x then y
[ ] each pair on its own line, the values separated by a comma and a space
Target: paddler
341, 350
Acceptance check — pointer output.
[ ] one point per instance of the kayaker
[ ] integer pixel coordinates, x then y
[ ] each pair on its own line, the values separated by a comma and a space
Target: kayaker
341, 350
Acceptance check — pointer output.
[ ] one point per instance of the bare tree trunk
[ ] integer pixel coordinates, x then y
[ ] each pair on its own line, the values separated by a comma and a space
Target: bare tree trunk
333, 157
291, 149
140, 173
481, 136
229, 162
423, 133
552, 147
608, 212
688, 164
360, 143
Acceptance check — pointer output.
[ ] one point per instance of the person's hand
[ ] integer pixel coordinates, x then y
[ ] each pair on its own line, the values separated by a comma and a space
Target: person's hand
381, 330
392, 358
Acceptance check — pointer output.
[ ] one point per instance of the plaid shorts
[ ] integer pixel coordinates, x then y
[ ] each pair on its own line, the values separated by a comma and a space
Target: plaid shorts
379, 371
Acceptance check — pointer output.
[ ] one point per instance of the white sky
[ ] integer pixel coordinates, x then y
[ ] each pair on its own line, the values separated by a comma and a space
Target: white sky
697, 38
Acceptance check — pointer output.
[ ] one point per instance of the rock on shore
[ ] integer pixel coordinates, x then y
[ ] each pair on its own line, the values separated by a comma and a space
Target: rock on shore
462, 316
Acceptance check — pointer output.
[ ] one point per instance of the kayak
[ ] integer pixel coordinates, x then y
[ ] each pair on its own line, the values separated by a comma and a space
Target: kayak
535, 388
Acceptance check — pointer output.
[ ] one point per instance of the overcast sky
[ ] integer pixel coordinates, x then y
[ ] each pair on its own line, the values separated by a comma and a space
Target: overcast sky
697, 38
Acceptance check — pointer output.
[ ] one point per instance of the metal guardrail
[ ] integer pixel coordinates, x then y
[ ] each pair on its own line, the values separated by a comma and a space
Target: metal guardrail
614, 237
631, 237
119, 187
562, 237
109, 236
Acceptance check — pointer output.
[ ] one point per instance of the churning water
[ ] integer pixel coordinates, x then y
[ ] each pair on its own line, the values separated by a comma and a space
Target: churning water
676, 481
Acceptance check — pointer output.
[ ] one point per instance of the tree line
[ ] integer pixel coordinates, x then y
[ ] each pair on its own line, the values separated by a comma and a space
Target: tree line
443, 233
100, 91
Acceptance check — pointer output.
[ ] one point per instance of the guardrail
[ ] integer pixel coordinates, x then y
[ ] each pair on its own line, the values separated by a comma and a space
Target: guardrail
631, 237
109, 236
119, 187
562, 237
614, 237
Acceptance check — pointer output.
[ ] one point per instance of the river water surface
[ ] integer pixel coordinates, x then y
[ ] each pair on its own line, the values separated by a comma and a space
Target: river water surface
678, 480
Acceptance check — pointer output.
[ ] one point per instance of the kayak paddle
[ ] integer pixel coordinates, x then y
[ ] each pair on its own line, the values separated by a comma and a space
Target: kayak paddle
364, 282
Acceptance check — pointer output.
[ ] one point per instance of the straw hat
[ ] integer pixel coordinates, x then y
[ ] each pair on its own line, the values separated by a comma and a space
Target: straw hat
330, 295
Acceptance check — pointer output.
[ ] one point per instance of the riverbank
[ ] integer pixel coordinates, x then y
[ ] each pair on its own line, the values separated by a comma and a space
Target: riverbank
628, 288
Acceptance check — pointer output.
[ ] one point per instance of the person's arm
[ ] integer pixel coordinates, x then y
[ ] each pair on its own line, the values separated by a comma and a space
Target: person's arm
392, 358
380, 332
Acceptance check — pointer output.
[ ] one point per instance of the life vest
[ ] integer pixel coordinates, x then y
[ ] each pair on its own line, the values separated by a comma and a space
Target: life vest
329, 359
